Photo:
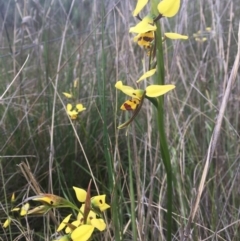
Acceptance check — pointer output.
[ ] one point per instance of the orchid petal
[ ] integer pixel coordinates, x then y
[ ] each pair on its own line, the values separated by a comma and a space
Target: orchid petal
63, 223
99, 201
147, 24
147, 75
157, 90
175, 36
80, 107
128, 90
169, 8
140, 5
69, 96
98, 223
81, 194
82, 233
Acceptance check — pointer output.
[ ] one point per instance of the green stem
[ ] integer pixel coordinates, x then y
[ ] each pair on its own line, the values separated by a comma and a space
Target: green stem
162, 135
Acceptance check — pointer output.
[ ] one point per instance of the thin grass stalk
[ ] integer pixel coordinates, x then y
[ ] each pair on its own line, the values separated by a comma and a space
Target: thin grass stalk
162, 135
132, 194
103, 95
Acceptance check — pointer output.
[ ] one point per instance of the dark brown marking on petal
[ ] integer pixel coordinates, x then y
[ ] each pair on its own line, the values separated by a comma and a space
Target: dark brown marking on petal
148, 39
127, 107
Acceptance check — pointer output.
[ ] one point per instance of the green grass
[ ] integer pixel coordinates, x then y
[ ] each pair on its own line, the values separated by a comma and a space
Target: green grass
98, 49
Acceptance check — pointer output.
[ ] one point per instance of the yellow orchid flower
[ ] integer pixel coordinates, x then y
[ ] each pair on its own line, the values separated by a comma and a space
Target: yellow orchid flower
73, 112
168, 8
80, 108
138, 94
99, 202
146, 25
175, 36
200, 39
151, 90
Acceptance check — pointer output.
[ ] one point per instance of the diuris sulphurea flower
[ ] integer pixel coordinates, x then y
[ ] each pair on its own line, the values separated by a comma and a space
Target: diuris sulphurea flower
138, 95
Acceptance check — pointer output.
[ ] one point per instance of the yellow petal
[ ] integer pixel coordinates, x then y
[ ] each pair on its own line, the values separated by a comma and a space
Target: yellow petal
147, 75
51, 199
80, 107
144, 39
69, 107
130, 104
201, 39
13, 198
75, 82
15, 209
80, 214
144, 26
157, 90
168, 8
82, 233
98, 223
81, 194
91, 215
63, 223
175, 36
208, 29
24, 209
128, 90
99, 201
74, 225
69, 96
140, 5
7, 222
42, 209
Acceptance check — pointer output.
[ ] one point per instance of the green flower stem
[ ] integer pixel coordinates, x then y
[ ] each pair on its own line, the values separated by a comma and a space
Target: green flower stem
162, 136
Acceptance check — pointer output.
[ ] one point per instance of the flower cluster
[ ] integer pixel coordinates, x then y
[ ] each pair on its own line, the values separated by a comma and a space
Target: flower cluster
146, 27
202, 36
73, 109
82, 226
21, 211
